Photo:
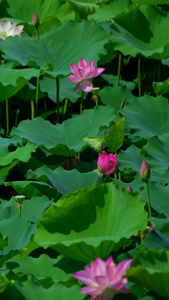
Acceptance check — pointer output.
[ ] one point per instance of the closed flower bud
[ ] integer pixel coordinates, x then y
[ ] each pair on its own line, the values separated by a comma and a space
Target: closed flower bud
107, 164
35, 20
145, 170
130, 188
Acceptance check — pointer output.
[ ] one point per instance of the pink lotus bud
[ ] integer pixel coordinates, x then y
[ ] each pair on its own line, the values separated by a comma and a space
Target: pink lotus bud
35, 20
130, 188
145, 170
107, 164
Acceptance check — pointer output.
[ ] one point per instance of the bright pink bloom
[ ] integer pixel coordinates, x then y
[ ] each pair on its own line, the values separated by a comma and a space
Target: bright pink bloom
82, 73
107, 163
8, 29
104, 279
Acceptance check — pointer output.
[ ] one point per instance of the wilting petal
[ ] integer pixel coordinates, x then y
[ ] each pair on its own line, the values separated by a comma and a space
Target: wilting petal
74, 78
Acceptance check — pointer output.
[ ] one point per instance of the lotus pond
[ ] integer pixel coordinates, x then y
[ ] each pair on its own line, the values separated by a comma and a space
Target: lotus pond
84, 149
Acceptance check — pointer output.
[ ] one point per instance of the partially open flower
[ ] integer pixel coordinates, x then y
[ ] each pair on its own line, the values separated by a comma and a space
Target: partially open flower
145, 170
104, 279
82, 73
107, 163
7, 29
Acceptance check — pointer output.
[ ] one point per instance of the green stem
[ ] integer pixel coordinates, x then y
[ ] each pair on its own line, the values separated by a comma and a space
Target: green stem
65, 106
7, 116
119, 70
16, 119
81, 103
20, 209
57, 99
119, 175
148, 197
37, 95
32, 110
139, 77
108, 179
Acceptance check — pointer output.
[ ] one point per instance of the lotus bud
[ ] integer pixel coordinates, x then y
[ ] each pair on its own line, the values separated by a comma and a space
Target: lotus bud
130, 188
35, 20
145, 170
107, 164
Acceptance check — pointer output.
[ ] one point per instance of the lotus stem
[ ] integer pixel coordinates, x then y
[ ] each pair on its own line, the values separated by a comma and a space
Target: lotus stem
57, 99
16, 119
139, 77
81, 103
148, 197
37, 95
7, 116
32, 110
119, 70
65, 106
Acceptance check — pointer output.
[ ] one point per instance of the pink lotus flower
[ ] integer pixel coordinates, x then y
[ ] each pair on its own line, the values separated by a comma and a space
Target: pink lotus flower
107, 163
104, 279
145, 170
82, 73
8, 29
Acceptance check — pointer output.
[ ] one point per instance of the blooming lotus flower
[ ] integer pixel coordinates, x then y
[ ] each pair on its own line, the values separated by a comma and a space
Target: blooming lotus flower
107, 163
82, 73
104, 279
8, 29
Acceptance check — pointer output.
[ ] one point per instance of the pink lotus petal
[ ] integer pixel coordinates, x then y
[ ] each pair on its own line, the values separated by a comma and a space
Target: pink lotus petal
91, 290
84, 277
86, 86
95, 73
122, 267
118, 285
82, 63
74, 78
74, 69
77, 88
102, 281
81, 73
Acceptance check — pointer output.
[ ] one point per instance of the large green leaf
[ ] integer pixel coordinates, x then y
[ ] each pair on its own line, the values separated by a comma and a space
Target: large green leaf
58, 48
65, 139
12, 81
83, 9
150, 269
65, 181
150, 39
114, 137
74, 225
17, 228
147, 116
10, 159
44, 8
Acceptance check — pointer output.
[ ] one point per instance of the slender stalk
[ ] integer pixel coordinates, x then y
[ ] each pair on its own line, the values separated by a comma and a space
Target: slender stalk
32, 110
139, 77
37, 96
81, 103
20, 209
16, 119
57, 99
108, 179
65, 106
119, 175
7, 116
148, 197
119, 70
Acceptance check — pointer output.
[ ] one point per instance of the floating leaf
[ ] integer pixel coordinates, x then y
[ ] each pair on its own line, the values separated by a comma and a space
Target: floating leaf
114, 137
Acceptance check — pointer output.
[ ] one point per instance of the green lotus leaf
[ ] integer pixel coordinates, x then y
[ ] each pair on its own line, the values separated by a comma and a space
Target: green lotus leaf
13, 80
44, 8
18, 228
161, 88
150, 270
149, 40
32, 188
83, 9
141, 115
65, 139
114, 137
74, 225
65, 181
56, 47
